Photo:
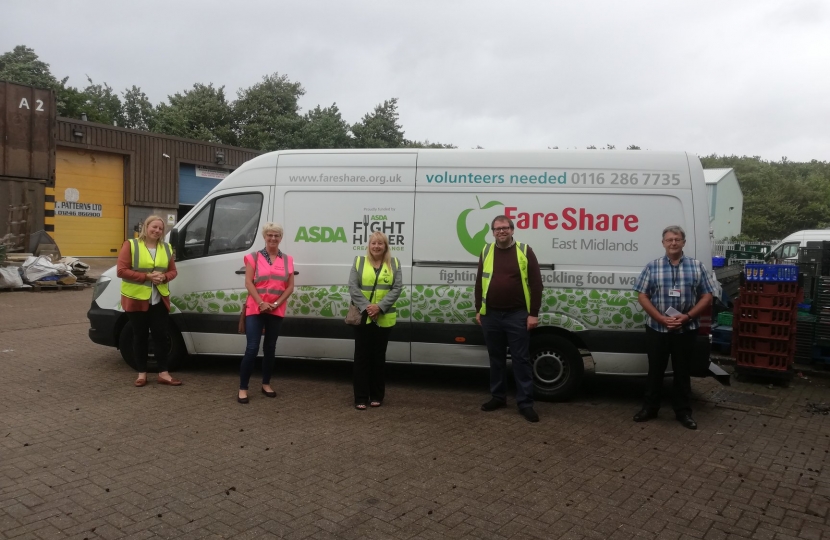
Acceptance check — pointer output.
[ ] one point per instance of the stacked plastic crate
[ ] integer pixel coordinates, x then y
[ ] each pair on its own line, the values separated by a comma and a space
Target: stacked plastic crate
813, 262
764, 321
821, 308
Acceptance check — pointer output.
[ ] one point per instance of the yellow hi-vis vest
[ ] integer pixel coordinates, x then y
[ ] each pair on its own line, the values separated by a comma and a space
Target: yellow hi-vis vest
386, 279
144, 262
487, 273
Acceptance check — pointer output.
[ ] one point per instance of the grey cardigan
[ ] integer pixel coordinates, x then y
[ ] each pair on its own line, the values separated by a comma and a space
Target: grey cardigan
391, 297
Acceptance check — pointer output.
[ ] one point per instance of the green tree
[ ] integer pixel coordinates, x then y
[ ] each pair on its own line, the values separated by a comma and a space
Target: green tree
267, 114
324, 128
779, 197
380, 128
633, 147
136, 110
102, 104
22, 66
200, 113
427, 144
71, 102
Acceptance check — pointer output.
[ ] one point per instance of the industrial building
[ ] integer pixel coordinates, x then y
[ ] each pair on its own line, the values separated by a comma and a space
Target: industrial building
726, 203
89, 185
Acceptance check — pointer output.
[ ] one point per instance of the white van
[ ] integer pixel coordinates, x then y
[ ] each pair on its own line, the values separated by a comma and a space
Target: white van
787, 249
593, 218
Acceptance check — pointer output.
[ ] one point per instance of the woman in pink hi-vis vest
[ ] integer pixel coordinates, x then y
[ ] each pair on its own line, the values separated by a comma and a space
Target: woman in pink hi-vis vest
269, 279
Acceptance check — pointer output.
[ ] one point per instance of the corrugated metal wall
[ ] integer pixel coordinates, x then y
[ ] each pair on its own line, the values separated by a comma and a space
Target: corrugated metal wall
151, 177
27, 132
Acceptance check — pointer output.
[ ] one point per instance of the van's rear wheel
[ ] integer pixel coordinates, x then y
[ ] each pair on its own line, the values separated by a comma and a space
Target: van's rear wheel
176, 351
557, 368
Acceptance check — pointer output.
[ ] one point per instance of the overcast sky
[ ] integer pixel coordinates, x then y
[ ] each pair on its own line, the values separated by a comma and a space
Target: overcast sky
745, 77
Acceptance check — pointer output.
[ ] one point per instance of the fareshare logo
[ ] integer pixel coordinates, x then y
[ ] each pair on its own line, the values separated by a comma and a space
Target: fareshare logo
475, 243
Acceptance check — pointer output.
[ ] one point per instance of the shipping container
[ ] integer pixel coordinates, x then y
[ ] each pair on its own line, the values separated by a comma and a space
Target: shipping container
27, 132
19, 193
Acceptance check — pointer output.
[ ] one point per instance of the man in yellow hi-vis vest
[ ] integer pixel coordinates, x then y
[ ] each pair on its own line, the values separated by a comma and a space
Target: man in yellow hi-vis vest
508, 297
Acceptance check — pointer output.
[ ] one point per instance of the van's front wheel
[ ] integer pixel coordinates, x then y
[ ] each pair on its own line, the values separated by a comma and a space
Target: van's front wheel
557, 368
176, 351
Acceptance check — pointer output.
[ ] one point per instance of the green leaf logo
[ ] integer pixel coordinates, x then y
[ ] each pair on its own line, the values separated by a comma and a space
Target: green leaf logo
474, 244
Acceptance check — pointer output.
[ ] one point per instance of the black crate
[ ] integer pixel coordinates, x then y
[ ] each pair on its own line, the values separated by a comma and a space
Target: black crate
810, 255
809, 269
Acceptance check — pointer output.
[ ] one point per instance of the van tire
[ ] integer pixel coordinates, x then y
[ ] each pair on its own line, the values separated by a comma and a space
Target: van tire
175, 355
557, 368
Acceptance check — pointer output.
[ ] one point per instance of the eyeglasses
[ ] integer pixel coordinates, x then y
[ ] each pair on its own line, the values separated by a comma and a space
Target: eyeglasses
501, 229
674, 241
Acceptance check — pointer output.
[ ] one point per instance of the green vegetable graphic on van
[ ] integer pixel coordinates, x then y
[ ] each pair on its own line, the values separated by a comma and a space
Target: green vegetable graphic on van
474, 244
573, 309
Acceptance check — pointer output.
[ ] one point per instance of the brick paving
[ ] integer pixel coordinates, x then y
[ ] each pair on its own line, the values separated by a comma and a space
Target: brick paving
84, 454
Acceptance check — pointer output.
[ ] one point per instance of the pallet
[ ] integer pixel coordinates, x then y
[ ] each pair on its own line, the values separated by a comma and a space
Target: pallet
39, 287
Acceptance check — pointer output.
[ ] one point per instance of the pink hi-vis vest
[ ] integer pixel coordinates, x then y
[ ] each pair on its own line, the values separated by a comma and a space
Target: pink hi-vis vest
270, 281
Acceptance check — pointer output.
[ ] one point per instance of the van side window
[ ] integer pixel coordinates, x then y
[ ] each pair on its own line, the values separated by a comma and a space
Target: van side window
226, 225
789, 250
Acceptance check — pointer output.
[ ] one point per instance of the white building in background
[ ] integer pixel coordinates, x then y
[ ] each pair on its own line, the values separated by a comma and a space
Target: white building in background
726, 203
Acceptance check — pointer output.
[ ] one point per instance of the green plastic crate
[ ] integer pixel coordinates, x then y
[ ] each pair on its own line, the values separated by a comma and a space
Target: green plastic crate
725, 318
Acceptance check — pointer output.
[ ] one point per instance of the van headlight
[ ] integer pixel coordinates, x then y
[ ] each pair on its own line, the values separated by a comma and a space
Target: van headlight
100, 287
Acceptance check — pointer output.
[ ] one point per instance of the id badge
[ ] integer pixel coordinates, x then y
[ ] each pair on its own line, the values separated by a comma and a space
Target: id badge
674, 293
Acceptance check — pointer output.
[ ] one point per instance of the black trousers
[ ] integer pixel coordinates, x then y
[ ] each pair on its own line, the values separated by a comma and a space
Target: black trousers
660, 346
153, 320
370, 341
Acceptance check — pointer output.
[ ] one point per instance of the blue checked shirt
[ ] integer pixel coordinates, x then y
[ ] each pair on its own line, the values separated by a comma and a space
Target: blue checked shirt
659, 277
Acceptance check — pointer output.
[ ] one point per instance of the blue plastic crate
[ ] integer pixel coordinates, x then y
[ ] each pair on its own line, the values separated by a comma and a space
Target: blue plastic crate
771, 272
718, 262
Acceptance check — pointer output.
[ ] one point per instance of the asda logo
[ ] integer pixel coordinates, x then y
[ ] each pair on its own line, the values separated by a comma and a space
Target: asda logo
320, 234
474, 242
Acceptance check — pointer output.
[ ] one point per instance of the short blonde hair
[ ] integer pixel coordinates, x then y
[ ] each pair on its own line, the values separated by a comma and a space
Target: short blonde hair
142, 235
271, 227
386, 258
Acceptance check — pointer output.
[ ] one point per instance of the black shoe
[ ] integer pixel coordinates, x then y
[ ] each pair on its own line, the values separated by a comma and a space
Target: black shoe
645, 415
493, 404
269, 394
687, 421
242, 400
529, 414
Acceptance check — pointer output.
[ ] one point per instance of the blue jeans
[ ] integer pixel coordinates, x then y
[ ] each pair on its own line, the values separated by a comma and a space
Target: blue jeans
254, 325
504, 329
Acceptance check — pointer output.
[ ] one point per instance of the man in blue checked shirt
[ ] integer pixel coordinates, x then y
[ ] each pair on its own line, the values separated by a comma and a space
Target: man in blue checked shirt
674, 291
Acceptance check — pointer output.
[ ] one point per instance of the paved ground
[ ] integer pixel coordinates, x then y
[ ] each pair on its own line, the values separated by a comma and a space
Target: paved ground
84, 454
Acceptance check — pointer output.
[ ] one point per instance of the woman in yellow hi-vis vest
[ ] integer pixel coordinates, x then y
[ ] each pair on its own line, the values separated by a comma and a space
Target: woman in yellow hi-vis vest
146, 266
375, 283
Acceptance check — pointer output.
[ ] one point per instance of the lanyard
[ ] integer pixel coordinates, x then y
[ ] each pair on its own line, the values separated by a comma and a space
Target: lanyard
675, 273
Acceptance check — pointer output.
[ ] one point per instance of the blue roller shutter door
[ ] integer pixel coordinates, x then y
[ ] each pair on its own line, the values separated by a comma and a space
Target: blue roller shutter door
191, 187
